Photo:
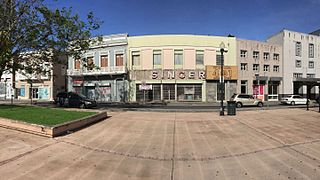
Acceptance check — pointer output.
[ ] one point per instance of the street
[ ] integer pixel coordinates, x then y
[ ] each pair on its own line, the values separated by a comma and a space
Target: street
260, 144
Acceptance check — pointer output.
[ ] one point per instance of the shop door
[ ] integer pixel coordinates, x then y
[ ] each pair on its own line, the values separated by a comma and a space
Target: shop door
169, 92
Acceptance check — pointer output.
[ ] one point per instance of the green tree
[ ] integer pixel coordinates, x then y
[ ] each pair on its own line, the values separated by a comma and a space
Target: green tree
32, 34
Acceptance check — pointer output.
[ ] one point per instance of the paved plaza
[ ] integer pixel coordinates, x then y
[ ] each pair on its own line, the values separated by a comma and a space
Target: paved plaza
261, 144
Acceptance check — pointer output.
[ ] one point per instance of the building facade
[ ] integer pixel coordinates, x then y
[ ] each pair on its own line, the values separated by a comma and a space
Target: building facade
6, 90
176, 67
260, 69
301, 62
41, 87
101, 73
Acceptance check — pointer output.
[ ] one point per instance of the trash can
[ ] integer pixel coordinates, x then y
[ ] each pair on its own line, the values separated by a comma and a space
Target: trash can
231, 106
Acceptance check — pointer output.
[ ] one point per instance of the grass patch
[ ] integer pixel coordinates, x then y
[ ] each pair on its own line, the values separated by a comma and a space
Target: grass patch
40, 115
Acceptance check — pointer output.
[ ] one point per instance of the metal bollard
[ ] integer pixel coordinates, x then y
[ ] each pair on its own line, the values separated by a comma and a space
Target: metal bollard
307, 104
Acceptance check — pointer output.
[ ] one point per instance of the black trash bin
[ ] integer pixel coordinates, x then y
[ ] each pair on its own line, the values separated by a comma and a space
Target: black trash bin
231, 106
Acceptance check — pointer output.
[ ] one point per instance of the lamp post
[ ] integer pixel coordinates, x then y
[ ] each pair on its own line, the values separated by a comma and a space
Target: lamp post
222, 91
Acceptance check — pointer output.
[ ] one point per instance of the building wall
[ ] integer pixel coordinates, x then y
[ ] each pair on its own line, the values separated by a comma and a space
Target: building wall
167, 44
249, 74
102, 84
288, 39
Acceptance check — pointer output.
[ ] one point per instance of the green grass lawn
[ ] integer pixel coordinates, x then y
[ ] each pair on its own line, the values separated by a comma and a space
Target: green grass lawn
40, 115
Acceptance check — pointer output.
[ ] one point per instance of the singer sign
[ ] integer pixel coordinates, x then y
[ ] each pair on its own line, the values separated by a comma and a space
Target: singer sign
229, 72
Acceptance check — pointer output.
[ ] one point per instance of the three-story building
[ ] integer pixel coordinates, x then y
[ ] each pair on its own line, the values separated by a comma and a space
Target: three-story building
301, 62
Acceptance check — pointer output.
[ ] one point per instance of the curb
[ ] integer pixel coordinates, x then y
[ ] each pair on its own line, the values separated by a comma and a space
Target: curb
52, 131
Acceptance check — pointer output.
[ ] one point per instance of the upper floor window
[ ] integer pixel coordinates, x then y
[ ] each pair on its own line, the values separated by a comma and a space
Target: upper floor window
90, 64
156, 58
311, 75
119, 59
178, 57
135, 58
311, 64
244, 66
297, 75
276, 57
255, 67
243, 53
266, 56
311, 51
77, 63
275, 68
298, 48
298, 63
199, 57
266, 68
255, 54
104, 61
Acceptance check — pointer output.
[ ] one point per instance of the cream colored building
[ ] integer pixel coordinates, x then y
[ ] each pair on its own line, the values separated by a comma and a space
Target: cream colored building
173, 67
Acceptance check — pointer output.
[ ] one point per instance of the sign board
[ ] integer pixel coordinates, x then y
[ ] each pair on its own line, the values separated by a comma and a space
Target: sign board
229, 72
145, 87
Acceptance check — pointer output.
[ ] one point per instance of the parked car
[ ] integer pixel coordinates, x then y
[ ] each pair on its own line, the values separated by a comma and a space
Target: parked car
246, 100
71, 99
294, 99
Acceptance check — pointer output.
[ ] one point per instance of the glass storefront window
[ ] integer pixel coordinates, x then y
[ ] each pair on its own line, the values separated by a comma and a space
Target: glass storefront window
189, 92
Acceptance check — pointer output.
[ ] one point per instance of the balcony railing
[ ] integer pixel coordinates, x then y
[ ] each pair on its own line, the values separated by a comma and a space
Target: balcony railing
100, 71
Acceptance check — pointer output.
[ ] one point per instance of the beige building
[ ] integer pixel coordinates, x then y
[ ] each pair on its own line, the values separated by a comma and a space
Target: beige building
173, 67
260, 69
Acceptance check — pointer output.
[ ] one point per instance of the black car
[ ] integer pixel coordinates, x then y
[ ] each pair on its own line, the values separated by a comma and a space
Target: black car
71, 99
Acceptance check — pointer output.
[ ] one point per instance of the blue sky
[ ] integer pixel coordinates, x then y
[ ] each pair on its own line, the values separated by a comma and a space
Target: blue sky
255, 19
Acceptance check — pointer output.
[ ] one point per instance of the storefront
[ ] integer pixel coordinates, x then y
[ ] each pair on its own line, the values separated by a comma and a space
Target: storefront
267, 88
307, 87
101, 88
167, 85
213, 74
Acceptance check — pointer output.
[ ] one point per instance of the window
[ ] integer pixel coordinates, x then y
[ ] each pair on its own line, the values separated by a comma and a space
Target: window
119, 59
156, 58
218, 59
266, 56
255, 67
104, 61
199, 57
77, 63
298, 63
311, 51
90, 64
178, 57
243, 53
297, 75
275, 68
136, 58
276, 57
311, 64
266, 68
244, 85
311, 75
189, 92
298, 48
255, 55
244, 66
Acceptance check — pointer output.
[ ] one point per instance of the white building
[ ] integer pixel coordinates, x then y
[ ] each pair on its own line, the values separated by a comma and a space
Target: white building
301, 62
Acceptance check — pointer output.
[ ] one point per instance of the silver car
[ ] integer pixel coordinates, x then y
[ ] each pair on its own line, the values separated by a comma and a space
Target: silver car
294, 99
246, 100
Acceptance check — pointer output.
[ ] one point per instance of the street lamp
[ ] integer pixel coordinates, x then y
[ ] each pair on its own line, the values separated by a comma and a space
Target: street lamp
222, 91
